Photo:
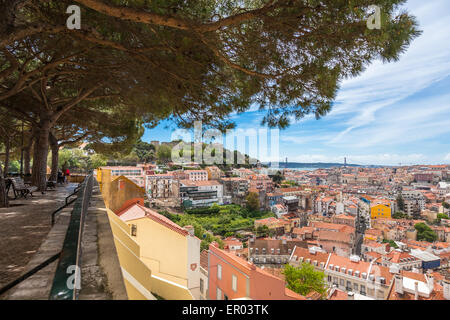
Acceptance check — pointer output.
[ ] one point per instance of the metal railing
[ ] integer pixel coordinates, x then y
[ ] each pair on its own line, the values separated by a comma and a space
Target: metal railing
67, 280
67, 202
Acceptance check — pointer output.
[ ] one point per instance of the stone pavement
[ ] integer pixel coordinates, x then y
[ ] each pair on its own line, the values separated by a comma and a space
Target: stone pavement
23, 228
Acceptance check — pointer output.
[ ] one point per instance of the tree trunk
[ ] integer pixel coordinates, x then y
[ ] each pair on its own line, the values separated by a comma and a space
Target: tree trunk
55, 150
7, 151
3, 196
27, 157
39, 174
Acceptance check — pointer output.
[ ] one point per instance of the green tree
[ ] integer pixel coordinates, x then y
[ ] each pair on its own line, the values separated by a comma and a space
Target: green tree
400, 203
399, 215
445, 205
391, 243
145, 151
442, 216
305, 279
164, 153
278, 177
252, 202
262, 231
187, 60
425, 233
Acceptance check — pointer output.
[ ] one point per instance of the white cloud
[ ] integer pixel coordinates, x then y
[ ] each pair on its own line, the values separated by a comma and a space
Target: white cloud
382, 86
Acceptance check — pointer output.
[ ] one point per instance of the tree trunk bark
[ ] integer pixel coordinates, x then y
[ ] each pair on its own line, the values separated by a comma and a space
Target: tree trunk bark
7, 151
3, 196
55, 153
27, 157
39, 175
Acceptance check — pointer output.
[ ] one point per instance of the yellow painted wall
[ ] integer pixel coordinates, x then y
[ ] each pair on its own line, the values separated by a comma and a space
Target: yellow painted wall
163, 250
380, 211
137, 274
170, 291
113, 194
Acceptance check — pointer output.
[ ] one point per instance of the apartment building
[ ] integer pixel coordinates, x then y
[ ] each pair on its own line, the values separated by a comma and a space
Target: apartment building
135, 174
214, 173
236, 189
261, 182
413, 199
272, 253
201, 193
161, 186
233, 278
196, 175
347, 274
402, 260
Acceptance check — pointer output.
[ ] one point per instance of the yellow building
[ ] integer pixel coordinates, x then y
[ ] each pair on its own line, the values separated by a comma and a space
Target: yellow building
380, 211
170, 251
156, 255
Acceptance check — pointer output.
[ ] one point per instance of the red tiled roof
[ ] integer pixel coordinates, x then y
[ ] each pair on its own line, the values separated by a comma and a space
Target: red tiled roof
159, 219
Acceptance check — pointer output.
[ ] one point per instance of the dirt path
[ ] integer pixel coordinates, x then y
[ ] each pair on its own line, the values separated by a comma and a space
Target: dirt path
23, 227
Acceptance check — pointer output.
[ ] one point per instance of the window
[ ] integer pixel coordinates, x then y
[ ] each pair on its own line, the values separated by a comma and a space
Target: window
219, 272
133, 230
349, 286
341, 282
363, 290
219, 294
234, 283
201, 286
355, 286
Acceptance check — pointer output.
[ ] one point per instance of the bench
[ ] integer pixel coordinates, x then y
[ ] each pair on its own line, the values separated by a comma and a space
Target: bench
51, 184
20, 189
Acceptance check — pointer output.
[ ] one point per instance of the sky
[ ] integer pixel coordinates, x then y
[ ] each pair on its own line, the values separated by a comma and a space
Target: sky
393, 113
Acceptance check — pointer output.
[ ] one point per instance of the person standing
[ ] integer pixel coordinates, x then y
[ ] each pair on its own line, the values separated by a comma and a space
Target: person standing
67, 175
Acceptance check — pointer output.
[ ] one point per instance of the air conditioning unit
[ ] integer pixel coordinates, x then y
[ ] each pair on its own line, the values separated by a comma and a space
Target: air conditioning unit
355, 258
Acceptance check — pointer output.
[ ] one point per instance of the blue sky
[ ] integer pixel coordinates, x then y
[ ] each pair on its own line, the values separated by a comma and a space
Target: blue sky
392, 113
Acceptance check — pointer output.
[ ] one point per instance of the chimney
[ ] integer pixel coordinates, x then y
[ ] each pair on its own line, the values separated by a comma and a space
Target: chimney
398, 284
416, 290
446, 285
189, 229
350, 296
430, 281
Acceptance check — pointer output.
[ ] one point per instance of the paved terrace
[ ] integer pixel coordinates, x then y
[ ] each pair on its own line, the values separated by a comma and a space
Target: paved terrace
23, 228
27, 239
